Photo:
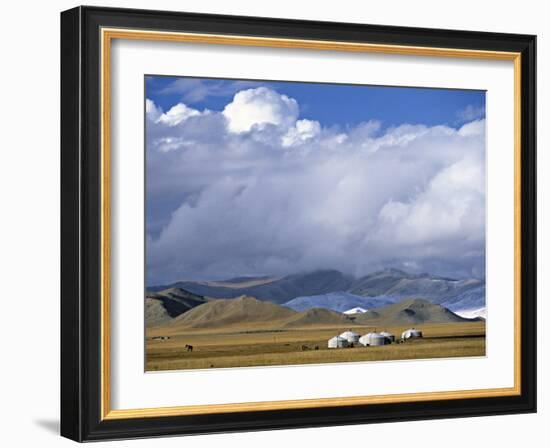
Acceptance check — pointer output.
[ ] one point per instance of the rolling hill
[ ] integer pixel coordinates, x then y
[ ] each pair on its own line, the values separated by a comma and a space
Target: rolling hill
163, 306
243, 310
317, 316
246, 310
409, 312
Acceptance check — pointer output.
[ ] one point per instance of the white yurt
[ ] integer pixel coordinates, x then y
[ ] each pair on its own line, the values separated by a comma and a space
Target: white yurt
373, 339
390, 336
351, 336
411, 333
337, 342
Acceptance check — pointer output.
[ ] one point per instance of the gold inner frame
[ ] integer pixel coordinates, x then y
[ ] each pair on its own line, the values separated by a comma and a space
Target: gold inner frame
107, 35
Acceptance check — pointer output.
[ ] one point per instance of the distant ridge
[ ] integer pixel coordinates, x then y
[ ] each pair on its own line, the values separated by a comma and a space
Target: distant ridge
338, 301
473, 298
399, 284
276, 290
245, 278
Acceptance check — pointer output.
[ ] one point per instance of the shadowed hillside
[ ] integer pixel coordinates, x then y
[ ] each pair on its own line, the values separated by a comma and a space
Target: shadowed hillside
163, 306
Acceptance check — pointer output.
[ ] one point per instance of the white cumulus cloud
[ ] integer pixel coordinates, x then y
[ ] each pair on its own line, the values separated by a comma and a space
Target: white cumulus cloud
302, 131
259, 107
177, 114
226, 196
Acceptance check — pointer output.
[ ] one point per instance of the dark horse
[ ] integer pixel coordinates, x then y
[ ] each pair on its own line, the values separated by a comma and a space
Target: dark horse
188, 347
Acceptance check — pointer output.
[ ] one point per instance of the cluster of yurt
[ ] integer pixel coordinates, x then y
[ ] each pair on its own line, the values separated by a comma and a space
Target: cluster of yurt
350, 338
411, 333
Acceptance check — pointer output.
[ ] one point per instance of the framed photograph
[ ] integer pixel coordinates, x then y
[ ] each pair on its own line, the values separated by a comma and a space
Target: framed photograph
274, 223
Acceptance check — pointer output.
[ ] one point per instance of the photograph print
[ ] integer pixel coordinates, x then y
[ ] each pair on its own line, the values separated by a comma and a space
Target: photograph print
297, 223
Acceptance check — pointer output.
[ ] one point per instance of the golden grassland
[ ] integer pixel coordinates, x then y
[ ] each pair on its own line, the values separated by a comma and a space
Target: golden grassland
260, 346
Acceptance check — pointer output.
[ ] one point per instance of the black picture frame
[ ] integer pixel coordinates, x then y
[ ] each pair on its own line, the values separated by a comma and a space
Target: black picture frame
81, 224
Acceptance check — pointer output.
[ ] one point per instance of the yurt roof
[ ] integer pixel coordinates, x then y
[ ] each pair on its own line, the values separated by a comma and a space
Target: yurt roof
349, 333
337, 338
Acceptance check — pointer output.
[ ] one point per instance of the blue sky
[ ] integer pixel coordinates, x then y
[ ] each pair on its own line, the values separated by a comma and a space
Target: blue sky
250, 178
332, 104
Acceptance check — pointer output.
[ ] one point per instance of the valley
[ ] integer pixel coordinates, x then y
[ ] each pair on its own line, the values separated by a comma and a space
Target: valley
197, 332
260, 346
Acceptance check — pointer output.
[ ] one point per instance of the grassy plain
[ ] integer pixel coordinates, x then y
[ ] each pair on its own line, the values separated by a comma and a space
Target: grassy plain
260, 345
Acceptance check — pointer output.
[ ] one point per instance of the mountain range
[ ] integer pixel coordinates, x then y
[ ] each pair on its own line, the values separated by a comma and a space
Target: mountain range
272, 289
246, 312
331, 289
340, 301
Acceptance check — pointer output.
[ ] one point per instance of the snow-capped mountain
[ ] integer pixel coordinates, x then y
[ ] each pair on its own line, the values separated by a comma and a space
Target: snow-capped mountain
473, 313
356, 310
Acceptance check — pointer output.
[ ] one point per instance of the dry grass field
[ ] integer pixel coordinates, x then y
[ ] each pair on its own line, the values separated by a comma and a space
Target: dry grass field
259, 345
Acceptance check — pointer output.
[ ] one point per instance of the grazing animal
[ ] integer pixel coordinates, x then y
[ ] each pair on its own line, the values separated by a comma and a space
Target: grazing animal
188, 347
